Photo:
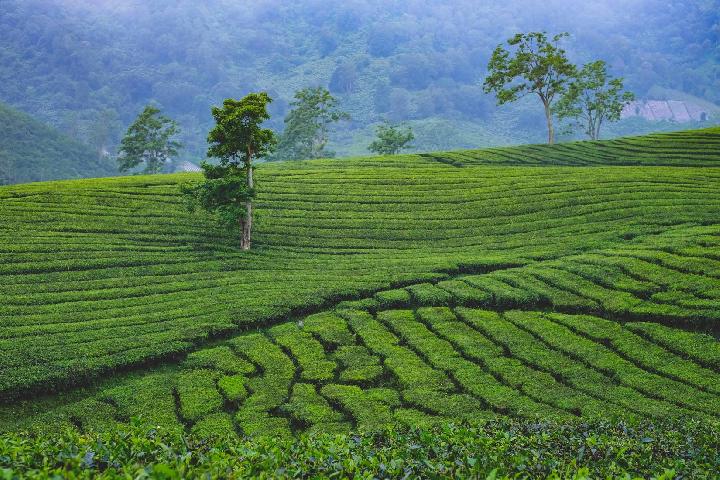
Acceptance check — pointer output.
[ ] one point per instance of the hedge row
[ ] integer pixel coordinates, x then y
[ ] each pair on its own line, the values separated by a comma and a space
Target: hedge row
416, 365
102, 276
498, 449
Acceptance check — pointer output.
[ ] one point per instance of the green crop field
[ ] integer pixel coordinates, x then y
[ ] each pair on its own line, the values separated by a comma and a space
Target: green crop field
576, 281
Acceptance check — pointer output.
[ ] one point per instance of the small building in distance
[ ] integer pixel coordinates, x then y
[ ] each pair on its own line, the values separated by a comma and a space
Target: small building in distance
672, 110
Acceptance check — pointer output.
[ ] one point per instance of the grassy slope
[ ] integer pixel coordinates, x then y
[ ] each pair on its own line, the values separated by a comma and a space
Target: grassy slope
31, 151
102, 275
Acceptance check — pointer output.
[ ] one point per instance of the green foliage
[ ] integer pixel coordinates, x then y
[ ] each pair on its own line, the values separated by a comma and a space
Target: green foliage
669, 149
526, 340
409, 368
585, 266
429, 294
310, 408
219, 358
642, 352
116, 269
699, 347
498, 394
690, 401
238, 137
125, 61
149, 141
198, 394
452, 364
499, 449
214, 426
592, 98
391, 140
445, 406
268, 391
307, 125
30, 151
224, 193
370, 408
537, 66
308, 351
360, 365
233, 387
236, 140
392, 298
466, 294
331, 329
364, 304
149, 398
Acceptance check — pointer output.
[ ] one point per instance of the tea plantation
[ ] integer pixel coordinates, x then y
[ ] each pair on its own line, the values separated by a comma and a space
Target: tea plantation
571, 283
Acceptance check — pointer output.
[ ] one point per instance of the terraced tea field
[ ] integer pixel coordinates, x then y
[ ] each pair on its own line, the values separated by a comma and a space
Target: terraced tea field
563, 282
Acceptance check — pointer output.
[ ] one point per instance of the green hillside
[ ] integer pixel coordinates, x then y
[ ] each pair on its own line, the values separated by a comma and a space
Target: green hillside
31, 151
559, 282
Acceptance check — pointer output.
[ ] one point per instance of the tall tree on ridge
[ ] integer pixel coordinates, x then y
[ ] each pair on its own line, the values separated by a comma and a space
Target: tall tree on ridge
236, 141
536, 66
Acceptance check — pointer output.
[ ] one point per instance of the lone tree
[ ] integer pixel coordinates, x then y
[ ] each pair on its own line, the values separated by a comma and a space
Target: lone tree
236, 141
391, 139
149, 141
306, 126
536, 66
593, 98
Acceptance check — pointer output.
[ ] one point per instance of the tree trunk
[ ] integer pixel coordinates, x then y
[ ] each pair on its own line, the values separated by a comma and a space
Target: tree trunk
246, 223
597, 129
246, 227
549, 119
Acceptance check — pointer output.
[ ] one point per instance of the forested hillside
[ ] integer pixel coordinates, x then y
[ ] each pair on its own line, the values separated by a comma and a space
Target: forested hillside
31, 151
88, 67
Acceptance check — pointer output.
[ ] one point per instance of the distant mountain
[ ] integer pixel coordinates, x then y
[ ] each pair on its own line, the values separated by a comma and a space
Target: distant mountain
31, 151
88, 67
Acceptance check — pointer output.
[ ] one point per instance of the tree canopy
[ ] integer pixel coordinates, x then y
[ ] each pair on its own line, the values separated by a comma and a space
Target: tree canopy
307, 125
237, 139
391, 139
592, 98
535, 65
238, 136
149, 141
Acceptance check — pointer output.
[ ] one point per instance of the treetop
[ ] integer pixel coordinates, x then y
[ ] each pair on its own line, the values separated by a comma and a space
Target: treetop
238, 135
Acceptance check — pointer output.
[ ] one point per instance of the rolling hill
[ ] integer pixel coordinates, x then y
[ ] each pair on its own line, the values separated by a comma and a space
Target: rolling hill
556, 282
31, 151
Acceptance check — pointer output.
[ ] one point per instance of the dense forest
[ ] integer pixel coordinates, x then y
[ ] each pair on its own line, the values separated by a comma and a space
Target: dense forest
88, 67
31, 151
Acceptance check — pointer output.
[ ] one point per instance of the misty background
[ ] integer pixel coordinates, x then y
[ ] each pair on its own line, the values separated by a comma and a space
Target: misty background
87, 67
